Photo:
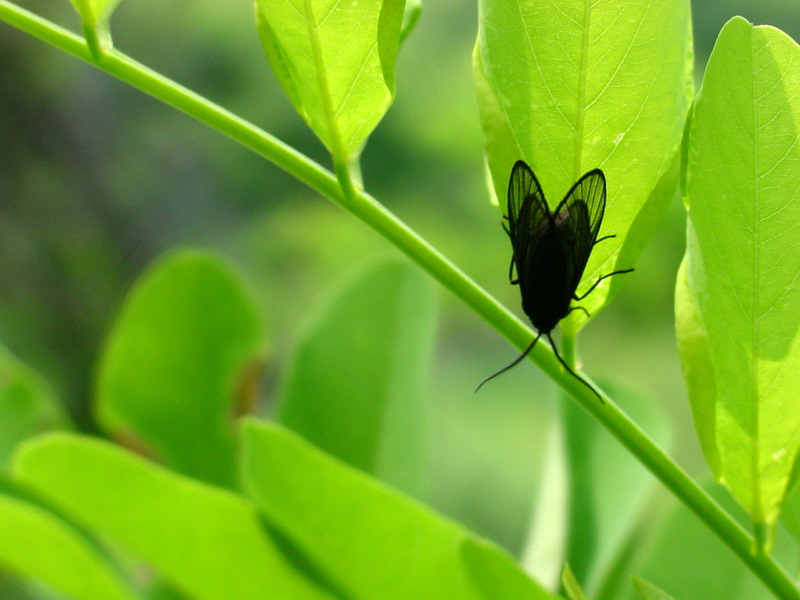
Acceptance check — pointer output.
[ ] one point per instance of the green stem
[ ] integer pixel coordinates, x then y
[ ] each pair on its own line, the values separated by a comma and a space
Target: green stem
582, 532
98, 38
368, 210
568, 342
581, 522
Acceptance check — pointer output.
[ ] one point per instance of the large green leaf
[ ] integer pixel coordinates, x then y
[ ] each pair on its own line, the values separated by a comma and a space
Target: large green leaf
207, 541
570, 85
373, 541
738, 296
356, 386
28, 405
336, 62
178, 364
38, 545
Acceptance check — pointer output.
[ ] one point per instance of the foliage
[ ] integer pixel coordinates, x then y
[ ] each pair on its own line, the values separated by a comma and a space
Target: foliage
737, 291
185, 499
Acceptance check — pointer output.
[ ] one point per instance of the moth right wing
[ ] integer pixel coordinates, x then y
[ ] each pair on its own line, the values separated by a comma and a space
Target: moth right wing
528, 213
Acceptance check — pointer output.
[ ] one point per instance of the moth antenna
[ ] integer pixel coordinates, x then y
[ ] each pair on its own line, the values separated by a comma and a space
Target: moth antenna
513, 364
573, 373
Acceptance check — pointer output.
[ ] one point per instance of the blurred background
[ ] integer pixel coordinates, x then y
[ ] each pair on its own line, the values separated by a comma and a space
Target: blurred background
97, 179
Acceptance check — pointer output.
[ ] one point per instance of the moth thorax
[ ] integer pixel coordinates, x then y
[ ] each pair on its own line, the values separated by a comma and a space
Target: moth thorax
561, 217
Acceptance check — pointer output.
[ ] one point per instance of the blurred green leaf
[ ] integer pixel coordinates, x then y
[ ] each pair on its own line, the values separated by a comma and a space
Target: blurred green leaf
28, 405
161, 590
648, 591
356, 385
207, 541
610, 491
372, 540
548, 531
790, 511
17, 588
569, 86
36, 544
411, 14
181, 362
496, 576
591, 511
336, 62
738, 299
571, 586
681, 555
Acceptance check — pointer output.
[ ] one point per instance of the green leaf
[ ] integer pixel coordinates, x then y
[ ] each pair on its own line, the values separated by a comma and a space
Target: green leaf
38, 545
356, 386
336, 62
180, 363
207, 541
571, 586
372, 540
28, 405
572, 85
496, 576
648, 591
738, 296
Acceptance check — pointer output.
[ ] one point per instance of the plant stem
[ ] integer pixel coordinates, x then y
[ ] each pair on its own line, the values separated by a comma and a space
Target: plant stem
376, 216
98, 38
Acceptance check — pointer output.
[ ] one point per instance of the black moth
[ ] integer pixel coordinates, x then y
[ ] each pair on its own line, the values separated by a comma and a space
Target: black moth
551, 249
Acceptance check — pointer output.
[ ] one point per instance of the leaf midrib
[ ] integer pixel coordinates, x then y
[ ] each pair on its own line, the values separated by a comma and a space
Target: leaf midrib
576, 169
755, 320
337, 150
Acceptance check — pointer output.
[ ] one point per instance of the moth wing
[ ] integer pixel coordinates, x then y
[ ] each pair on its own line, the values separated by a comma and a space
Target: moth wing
578, 219
528, 218
526, 202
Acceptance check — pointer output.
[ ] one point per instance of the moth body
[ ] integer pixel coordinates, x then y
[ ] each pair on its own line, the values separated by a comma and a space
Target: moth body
550, 249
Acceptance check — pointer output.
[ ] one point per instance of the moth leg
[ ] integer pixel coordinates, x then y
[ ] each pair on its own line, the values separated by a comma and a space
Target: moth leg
607, 237
511, 272
586, 312
599, 279
510, 266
